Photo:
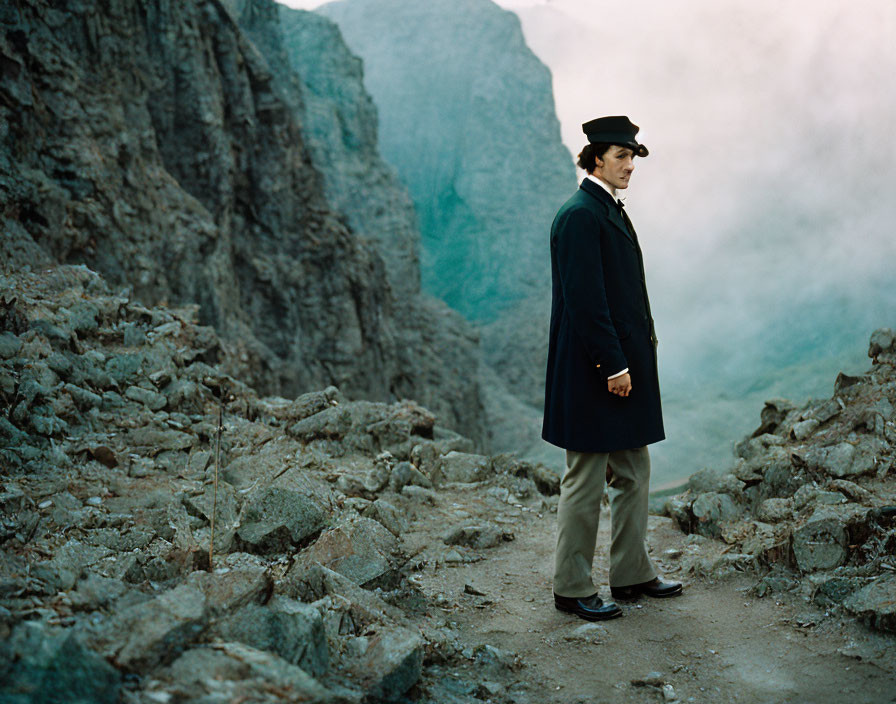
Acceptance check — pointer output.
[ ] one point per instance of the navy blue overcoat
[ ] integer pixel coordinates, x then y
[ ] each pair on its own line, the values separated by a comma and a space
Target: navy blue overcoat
600, 324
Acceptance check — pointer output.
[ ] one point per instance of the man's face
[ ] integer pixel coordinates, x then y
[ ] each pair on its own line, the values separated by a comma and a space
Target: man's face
616, 166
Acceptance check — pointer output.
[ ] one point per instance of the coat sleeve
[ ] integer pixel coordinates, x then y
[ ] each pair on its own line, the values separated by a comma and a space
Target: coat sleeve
580, 265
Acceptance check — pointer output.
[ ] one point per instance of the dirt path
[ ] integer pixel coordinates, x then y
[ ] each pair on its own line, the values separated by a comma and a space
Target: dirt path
714, 643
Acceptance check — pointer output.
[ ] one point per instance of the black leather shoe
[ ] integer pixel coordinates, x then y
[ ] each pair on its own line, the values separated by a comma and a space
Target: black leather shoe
590, 608
655, 587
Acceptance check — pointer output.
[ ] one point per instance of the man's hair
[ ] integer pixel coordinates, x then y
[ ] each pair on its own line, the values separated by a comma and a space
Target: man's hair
590, 154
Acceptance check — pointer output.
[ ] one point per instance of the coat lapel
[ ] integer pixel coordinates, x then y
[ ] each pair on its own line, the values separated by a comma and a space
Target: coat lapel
606, 200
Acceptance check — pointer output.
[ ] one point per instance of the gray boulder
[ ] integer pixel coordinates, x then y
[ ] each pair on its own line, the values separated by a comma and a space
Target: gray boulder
283, 626
276, 520
155, 632
309, 404
774, 510
463, 467
94, 591
804, 428
773, 415
821, 543
68, 564
852, 491
751, 447
712, 509
388, 515
882, 341
241, 671
362, 550
331, 423
390, 662
153, 400
10, 345
875, 604
836, 460
833, 589
39, 663
479, 535
238, 579
707, 480
405, 473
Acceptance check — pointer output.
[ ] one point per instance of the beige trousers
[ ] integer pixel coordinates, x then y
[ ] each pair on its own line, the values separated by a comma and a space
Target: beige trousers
578, 517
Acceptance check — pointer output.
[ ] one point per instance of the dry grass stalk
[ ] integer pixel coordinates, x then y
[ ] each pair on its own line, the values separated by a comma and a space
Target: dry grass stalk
211, 542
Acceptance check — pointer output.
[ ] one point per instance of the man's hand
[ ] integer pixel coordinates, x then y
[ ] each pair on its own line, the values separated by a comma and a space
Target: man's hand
621, 385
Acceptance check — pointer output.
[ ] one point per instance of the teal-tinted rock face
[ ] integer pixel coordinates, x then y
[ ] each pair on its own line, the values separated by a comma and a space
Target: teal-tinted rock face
467, 117
339, 121
434, 353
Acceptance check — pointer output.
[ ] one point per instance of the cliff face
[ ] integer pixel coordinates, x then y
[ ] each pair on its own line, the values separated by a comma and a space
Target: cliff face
162, 156
161, 146
467, 117
340, 124
435, 348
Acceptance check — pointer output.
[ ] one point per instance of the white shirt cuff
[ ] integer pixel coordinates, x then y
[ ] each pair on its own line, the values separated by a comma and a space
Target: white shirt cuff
613, 376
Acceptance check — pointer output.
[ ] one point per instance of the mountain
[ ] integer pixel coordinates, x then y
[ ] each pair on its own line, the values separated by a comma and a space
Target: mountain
467, 118
173, 161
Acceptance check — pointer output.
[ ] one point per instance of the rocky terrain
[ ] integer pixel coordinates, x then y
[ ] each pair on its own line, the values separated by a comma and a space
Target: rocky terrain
122, 439
169, 535
811, 500
164, 147
239, 446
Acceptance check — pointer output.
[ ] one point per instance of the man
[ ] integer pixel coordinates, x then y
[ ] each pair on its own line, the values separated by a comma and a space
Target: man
602, 396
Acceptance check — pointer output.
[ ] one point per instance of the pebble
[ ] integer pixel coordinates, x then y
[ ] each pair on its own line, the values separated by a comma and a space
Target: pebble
45, 504
652, 679
589, 632
453, 556
94, 501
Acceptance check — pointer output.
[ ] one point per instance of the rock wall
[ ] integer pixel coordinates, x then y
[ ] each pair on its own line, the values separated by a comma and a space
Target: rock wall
340, 123
437, 349
159, 145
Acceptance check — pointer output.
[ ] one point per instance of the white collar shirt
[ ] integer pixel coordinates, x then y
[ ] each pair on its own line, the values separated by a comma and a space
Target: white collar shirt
603, 185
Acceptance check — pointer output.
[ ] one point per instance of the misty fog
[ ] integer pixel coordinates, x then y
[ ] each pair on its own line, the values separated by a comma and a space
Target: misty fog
766, 206
765, 209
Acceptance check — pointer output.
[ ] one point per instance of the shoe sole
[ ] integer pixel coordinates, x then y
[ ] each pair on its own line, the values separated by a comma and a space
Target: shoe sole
589, 617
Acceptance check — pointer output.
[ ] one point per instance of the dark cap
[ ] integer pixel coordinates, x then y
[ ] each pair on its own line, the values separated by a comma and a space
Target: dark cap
617, 129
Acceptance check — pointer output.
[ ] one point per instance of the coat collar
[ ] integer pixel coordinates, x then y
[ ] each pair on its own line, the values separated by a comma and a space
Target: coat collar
605, 199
